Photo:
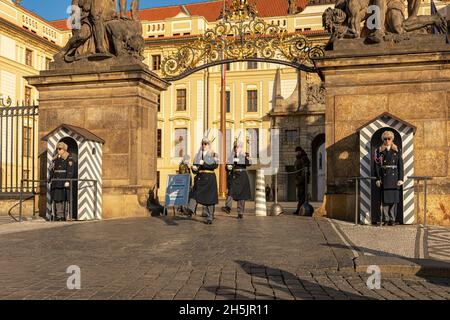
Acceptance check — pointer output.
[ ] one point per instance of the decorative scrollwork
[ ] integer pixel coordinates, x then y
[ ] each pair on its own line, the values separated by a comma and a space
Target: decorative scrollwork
241, 35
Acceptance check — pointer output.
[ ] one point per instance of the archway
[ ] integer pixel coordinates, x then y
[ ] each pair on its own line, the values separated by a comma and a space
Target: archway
318, 167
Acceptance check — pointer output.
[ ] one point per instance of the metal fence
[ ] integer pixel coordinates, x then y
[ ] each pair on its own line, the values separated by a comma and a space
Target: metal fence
18, 148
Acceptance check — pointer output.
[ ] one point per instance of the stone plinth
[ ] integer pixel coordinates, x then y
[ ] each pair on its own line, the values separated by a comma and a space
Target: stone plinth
119, 104
410, 80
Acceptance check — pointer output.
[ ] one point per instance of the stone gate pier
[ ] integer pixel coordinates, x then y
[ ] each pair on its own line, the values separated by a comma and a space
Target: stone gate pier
409, 80
117, 102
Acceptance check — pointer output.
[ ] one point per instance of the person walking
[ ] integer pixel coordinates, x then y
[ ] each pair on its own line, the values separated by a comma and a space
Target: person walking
239, 189
301, 166
204, 191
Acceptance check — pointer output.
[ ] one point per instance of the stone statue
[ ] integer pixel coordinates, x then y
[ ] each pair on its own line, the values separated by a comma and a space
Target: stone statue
103, 33
344, 21
292, 7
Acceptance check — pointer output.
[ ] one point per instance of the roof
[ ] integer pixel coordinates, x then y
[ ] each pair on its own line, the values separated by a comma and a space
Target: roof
387, 114
80, 131
210, 10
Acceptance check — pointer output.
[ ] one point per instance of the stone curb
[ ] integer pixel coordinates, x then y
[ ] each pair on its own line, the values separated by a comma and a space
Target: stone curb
404, 266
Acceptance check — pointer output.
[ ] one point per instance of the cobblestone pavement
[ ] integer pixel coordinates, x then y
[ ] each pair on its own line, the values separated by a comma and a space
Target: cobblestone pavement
285, 257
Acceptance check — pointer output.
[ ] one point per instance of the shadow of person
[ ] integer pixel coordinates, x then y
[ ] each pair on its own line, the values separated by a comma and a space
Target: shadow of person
274, 283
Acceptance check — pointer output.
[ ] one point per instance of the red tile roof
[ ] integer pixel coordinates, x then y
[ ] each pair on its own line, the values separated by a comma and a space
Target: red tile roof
60, 24
210, 10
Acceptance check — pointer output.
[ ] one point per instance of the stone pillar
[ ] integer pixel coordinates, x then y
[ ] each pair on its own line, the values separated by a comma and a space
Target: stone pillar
410, 80
119, 104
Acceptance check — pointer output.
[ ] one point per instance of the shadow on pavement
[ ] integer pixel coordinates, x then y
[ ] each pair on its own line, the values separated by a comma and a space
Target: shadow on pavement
283, 286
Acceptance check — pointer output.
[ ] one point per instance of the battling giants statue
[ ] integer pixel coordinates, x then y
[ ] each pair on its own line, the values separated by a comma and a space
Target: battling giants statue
344, 21
101, 33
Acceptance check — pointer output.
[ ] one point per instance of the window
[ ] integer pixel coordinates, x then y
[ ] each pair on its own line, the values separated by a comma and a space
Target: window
29, 57
156, 62
47, 63
26, 174
252, 142
158, 102
27, 96
252, 101
251, 65
158, 179
181, 99
27, 136
228, 99
230, 143
290, 136
228, 66
159, 143
180, 142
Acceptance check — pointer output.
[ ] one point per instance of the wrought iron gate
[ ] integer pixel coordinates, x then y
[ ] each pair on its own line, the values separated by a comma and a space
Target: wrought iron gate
18, 148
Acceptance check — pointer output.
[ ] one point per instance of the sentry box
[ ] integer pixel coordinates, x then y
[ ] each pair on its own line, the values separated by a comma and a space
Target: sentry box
86, 150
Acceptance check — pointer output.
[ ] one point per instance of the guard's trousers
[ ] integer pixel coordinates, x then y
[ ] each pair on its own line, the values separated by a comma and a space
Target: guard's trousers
389, 212
240, 204
208, 210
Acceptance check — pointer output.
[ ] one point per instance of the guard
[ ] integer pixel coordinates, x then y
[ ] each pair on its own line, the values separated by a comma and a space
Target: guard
389, 172
239, 183
204, 190
63, 167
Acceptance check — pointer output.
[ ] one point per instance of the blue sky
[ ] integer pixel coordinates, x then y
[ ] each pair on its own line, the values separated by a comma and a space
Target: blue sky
56, 9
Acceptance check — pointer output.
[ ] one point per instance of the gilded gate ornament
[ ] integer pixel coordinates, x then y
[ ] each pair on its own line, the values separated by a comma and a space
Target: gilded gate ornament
241, 35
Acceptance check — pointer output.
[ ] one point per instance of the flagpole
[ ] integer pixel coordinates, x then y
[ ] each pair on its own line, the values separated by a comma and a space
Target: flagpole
223, 123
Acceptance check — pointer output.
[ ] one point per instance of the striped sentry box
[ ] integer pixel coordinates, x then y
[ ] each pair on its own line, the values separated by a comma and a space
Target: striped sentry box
89, 168
366, 132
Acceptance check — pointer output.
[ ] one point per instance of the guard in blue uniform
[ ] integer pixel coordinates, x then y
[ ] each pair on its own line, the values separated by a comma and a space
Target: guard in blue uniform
63, 167
239, 183
389, 172
204, 191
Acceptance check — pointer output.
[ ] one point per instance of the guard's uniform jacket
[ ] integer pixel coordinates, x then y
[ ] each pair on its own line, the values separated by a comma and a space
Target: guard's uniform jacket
61, 169
205, 182
239, 183
389, 171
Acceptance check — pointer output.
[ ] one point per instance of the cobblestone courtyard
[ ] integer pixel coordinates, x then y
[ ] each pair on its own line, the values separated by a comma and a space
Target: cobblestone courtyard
286, 257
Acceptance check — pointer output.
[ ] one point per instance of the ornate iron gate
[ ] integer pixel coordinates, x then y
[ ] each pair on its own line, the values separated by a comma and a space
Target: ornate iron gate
18, 148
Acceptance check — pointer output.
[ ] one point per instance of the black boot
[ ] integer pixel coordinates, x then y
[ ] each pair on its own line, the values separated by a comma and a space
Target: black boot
226, 209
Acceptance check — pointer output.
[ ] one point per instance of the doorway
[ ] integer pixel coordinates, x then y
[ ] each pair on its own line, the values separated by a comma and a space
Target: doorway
376, 192
319, 167
73, 150
291, 195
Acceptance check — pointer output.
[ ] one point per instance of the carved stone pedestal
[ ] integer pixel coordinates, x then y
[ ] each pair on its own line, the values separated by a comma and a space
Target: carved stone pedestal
119, 104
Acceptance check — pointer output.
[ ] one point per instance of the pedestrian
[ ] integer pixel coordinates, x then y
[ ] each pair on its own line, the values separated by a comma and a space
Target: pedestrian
389, 172
268, 191
301, 166
204, 191
239, 186
63, 167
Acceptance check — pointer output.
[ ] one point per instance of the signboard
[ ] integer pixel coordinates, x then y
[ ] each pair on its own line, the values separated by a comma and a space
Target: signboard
177, 191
